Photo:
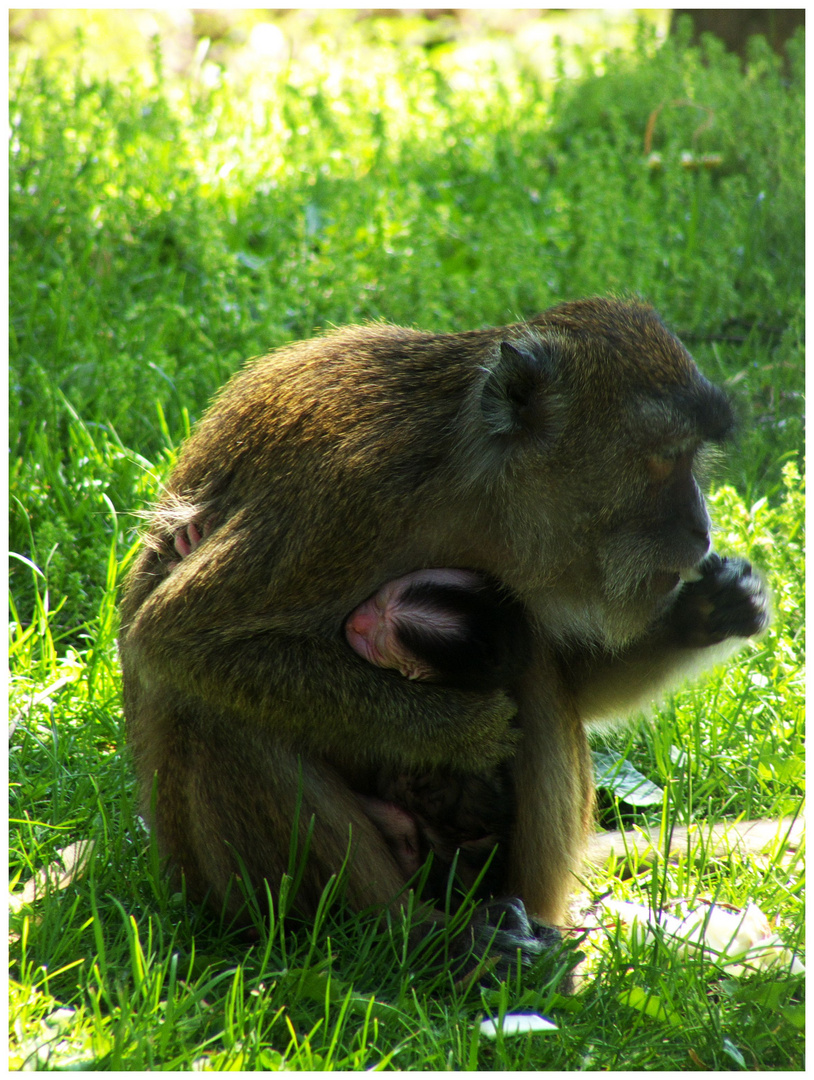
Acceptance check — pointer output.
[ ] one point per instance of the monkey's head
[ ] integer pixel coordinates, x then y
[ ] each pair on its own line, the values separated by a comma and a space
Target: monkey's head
605, 424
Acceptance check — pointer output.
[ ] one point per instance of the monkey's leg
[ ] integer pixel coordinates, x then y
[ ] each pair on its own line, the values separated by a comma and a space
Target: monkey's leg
554, 796
227, 799
227, 794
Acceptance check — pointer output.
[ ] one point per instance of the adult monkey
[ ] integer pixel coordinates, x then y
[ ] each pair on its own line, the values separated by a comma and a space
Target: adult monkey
558, 456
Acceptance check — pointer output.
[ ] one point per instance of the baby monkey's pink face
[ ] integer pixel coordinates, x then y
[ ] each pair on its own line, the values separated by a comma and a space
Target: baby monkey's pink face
414, 607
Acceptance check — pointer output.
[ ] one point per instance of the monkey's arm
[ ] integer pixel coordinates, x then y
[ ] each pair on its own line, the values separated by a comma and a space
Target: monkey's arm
705, 623
310, 688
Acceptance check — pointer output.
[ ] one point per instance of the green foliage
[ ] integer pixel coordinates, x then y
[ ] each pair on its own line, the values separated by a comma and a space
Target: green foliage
161, 235
162, 231
705, 245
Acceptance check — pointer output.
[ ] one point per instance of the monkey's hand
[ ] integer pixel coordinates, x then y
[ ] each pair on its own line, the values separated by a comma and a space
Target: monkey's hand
729, 601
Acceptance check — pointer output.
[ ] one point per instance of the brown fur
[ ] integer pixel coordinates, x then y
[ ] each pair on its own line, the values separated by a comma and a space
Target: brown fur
535, 453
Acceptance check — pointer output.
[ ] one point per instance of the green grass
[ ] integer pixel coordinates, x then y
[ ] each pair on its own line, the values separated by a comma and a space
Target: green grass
161, 233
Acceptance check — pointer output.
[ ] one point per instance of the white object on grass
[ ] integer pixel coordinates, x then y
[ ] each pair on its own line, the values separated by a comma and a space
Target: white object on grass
516, 1024
741, 940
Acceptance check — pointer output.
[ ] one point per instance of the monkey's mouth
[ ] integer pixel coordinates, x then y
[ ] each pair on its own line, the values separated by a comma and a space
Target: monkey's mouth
691, 573
666, 580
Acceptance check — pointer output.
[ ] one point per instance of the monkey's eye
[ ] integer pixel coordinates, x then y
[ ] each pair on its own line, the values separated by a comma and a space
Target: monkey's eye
660, 466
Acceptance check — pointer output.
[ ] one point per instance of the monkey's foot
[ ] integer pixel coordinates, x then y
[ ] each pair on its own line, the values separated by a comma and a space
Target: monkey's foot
505, 932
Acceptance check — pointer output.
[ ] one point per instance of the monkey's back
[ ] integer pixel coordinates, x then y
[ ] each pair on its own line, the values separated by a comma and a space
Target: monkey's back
298, 439
378, 401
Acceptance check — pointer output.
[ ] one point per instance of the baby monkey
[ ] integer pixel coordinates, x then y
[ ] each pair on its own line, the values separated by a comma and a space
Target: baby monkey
459, 628
455, 627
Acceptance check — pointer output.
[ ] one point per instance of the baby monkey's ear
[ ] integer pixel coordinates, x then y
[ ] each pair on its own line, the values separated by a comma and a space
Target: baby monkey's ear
517, 396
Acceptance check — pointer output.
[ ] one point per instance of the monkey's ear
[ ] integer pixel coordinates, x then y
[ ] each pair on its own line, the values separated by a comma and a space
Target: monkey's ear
514, 395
